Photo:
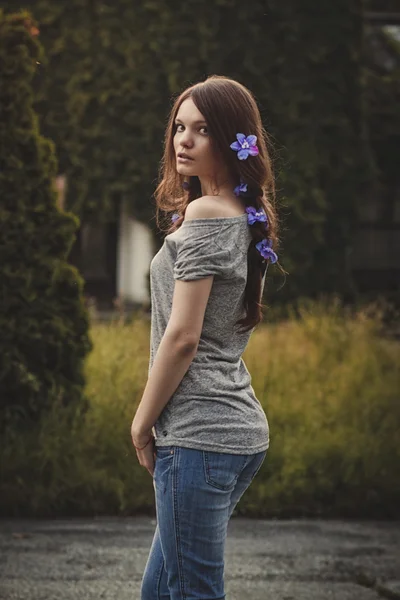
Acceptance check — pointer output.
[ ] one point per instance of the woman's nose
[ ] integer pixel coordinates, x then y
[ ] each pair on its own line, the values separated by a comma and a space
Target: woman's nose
186, 139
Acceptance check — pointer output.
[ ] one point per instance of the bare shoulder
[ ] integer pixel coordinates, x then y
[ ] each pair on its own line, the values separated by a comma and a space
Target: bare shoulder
201, 208
208, 207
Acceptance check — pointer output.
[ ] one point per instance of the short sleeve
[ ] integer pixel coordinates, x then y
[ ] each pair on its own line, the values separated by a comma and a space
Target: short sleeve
203, 249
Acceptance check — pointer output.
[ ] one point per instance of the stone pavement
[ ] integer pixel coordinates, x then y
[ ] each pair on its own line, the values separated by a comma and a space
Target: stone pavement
104, 558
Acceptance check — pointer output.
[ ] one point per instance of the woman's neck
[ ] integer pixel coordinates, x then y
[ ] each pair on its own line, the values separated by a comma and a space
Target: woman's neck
222, 187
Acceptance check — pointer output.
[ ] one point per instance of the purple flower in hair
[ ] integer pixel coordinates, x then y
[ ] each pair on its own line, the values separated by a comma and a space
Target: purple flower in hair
245, 146
240, 188
254, 215
265, 249
175, 217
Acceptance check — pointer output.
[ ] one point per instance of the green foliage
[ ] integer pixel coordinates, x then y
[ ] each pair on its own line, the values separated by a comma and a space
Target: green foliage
327, 380
113, 67
43, 320
383, 100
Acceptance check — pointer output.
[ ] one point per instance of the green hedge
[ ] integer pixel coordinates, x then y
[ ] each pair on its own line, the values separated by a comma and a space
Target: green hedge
43, 321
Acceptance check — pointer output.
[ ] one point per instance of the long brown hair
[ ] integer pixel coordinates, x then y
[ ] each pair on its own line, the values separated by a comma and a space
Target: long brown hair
228, 108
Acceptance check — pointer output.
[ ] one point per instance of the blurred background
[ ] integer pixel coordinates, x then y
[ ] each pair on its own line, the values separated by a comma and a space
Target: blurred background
86, 87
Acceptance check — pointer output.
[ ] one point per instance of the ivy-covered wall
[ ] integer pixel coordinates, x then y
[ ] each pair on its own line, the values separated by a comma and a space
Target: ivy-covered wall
105, 93
383, 102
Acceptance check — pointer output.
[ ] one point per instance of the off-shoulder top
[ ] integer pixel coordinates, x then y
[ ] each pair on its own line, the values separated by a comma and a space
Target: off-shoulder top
214, 407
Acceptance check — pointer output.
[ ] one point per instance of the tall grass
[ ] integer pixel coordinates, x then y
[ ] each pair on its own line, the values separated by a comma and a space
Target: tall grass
328, 381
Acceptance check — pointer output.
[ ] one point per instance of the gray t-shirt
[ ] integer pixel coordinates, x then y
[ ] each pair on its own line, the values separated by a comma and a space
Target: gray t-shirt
214, 407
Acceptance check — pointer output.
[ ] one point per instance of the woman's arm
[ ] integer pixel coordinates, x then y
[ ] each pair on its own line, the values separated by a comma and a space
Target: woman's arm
170, 364
175, 352
179, 343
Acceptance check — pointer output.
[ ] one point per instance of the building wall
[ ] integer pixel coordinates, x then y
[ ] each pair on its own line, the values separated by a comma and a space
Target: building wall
135, 250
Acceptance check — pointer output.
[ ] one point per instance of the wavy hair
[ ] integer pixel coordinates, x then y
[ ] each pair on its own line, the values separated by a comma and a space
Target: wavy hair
228, 107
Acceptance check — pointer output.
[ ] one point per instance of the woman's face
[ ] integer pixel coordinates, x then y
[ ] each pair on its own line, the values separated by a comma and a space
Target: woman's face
192, 138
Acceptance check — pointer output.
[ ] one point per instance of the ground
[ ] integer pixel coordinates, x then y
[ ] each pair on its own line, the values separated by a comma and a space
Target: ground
104, 558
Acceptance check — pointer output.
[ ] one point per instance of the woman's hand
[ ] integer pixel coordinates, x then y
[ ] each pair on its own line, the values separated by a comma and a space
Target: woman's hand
145, 449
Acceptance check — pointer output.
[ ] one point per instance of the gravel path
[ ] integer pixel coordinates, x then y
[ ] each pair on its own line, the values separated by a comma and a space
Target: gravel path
93, 559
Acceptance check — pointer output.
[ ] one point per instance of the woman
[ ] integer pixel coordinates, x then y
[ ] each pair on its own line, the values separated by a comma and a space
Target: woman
199, 428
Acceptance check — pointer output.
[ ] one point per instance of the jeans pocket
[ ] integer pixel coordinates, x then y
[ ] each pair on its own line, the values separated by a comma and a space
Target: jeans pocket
162, 467
221, 470
162, 451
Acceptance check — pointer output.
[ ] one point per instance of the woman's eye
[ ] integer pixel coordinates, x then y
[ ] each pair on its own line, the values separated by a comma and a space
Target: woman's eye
180, 125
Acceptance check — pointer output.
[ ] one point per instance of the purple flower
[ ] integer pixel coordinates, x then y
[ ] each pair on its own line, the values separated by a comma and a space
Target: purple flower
265, 249
240, 188
245, 146
254, 215
175, 217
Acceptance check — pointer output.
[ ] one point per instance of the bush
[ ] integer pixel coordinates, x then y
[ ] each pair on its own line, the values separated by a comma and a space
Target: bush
327, 380
43, 321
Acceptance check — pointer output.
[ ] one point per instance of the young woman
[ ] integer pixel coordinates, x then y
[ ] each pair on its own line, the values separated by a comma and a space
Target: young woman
199, 429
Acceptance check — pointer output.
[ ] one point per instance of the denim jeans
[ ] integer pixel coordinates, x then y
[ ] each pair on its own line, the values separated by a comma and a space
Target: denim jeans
196, 492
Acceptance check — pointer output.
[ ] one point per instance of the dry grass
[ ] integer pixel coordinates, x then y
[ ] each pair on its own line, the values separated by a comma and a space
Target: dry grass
328, 381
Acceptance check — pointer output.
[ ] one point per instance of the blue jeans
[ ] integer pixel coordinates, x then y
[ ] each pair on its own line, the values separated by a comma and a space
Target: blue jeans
196, 492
